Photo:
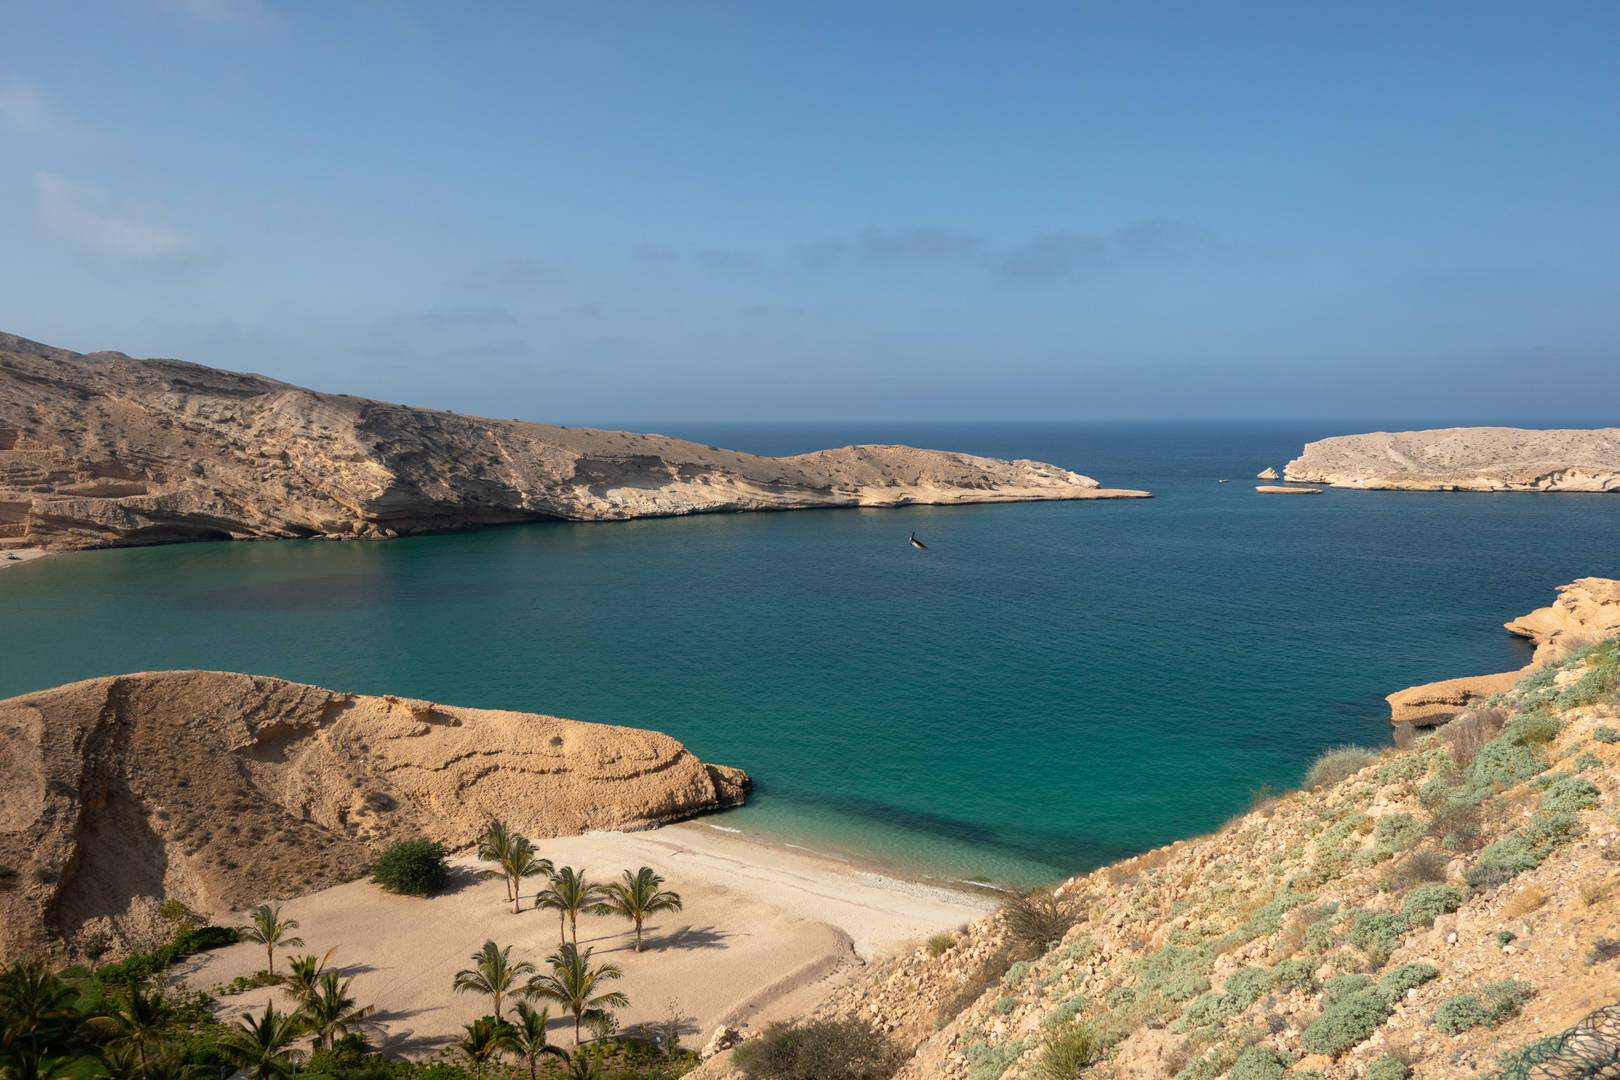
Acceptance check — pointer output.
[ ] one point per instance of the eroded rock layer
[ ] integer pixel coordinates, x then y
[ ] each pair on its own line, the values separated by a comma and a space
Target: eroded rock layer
221, 790
1465, 459
101, 450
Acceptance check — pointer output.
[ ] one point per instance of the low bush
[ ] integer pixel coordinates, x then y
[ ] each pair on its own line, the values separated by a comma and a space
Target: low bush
1430, 902
939, 944
820, 1050
1260, 1062
1038, 919
1606, 734
1295, 973
1346, 1023
1584, 761
1570, 794
1499, 1001
144, 965
1069, 1052
1394, 834
1465, 734
1523, 849
1603, 950
1388, 1068
1184, 986
412, 867
1339, 763
1376, 933
1406, 977
1419, 867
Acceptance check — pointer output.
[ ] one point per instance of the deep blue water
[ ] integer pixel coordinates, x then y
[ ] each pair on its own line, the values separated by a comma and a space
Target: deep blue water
1048, 687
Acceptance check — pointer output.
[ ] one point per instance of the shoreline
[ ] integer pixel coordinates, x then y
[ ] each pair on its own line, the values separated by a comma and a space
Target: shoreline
24, 556
765, 933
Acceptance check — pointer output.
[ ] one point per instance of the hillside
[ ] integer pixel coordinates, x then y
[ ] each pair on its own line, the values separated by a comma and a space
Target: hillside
100, 450
1465, 459
220, 790
1414, 912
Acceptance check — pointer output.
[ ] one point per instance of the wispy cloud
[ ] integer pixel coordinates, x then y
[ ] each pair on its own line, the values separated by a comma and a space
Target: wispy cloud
923, 243
91, 220
1063, 253
228, 13
25, 110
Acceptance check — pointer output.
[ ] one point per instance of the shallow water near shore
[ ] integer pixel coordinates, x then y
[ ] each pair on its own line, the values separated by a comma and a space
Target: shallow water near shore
1049, 687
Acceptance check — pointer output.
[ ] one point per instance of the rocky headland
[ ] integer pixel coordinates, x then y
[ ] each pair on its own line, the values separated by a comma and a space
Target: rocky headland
221, 790
1587, 610
1465, 459
101, 450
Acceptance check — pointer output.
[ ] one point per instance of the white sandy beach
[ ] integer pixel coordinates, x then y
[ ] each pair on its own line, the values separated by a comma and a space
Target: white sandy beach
22, 555
765, 932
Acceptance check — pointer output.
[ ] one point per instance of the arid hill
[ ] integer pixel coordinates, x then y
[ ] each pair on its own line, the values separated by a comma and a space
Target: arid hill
218, 789
1465, 459
99, 450
1417, 913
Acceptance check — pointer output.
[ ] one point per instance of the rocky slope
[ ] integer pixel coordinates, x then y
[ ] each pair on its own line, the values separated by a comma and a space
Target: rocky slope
218, 789
1465, 459
1432, 910
102, 449
1586, 611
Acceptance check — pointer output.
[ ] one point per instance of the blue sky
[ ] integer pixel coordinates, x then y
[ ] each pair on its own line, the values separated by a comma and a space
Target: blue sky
830, 211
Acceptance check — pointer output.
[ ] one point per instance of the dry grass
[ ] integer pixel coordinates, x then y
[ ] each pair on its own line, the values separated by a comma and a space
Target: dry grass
1596, 890
1464, 735
1525, 901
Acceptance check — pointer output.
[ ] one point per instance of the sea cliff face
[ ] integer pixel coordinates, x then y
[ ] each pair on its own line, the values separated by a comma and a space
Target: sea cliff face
1587, 610
101, 450
1465, 459
222, 790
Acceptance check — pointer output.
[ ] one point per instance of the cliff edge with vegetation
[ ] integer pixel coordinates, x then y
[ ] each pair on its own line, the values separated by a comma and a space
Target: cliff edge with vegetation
217, 790
1465, 459
102, 450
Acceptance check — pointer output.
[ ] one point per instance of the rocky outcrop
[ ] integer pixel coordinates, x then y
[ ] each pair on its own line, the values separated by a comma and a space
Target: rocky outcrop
1278, 489
220, 790
1268, 473
1465, 459
101, 449
1587, 610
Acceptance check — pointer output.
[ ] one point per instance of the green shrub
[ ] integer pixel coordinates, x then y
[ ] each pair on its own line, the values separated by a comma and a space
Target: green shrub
145, 965
1506, 937
1346, 1023
1458, 1014
412, 867
1247, 984
1209, 1009
1571, 794
939, 944
1606, 734
1584, 761
1343, 985
1295, 973
1394, 834
1378, 932
1338, 764
1184, 985
1260, 1062
1502, 763
1430, 902
1406, 977
1532, 729
1003, 1006
819, 1050
1524, 848
1069, 1052
1016, 973
1388, 1068
1070, 1008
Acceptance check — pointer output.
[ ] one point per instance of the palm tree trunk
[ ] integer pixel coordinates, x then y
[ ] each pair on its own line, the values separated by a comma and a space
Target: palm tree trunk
638, 933
514, 901
562, 932
497, 1004
270, 958
573, 927
576, 1027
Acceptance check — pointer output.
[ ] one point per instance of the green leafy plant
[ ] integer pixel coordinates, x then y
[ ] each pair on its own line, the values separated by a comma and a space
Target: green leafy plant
848, 1049
1338, 763
412, 867
1430, 902
940, 944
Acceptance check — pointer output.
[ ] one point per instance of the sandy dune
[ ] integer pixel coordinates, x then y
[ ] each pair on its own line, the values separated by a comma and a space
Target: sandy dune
765, 933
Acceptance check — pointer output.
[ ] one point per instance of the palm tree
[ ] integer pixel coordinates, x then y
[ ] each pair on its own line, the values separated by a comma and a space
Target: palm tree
485, 1038
34, 1005
269, 930
529, 1037
638, 896
330, 1012
493, 846
493, 973
569, 894
573, 984
119, 1062
583, 1067
139, 1020
170, 1063
304, 976
262, 1046
520, 861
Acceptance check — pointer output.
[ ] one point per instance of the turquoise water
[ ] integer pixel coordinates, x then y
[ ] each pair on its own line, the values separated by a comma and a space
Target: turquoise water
1048, 687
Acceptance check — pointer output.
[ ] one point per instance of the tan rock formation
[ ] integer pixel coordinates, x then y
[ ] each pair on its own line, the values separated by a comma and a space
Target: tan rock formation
1268, 473
220, 789
1587, 610
101, 449
1465, 459
1277, 489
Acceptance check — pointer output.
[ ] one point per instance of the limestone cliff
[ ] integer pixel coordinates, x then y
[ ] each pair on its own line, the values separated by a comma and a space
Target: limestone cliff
1587, 610
1465, 459
220, 789
101, 449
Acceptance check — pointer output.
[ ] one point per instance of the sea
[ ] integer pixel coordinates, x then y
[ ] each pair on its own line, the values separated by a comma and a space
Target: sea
1047, 688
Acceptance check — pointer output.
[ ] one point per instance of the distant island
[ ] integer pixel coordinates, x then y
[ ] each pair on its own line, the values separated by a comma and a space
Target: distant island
1465, 459
102, 450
